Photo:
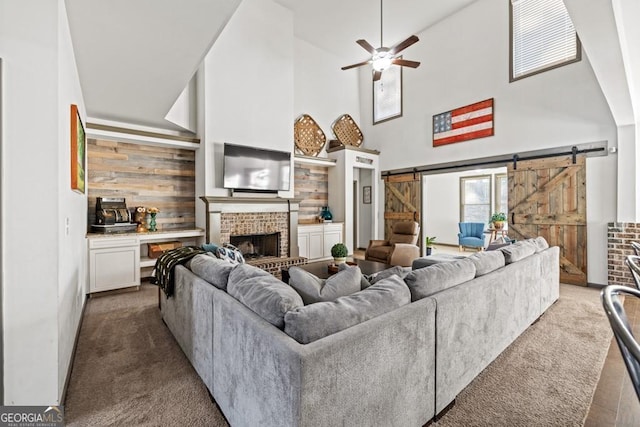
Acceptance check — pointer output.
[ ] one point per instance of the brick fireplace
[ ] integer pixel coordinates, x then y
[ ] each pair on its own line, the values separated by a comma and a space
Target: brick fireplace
619, 237
244, 216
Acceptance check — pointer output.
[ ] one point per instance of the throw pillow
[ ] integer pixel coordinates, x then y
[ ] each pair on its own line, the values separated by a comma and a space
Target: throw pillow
486, 262
313, 289
312, 322
399, 271
266, 296
211, 269
438, 277
540, 243
517, 251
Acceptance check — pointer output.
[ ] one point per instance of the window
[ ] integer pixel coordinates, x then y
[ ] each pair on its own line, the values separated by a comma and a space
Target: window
542, 37
475, 198
502, 193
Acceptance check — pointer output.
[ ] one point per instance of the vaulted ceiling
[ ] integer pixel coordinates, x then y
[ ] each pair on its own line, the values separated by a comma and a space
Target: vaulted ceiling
135, 57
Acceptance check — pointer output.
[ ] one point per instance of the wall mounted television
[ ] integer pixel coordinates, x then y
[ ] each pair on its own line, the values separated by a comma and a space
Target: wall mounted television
256, 169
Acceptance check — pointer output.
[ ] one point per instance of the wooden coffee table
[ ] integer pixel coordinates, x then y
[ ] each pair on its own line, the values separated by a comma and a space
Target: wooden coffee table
321, 268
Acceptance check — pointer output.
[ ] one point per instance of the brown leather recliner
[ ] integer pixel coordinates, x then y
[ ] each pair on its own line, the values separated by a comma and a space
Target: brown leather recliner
400, 249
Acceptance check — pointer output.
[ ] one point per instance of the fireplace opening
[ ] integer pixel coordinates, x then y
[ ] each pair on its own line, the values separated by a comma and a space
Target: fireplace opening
257, 245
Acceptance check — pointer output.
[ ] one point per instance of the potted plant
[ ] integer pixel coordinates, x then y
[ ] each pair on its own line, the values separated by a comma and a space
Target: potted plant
339, 253
498, 220
429, 243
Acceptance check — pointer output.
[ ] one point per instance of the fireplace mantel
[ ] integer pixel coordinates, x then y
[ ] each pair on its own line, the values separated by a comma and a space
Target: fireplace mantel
216, 206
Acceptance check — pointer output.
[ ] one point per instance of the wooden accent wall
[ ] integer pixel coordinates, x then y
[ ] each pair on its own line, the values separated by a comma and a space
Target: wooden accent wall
311, 184
146, 176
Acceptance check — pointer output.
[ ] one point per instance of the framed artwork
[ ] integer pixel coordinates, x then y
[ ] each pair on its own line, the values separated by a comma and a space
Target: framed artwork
387, 95
78, 145
366, 194
464, 123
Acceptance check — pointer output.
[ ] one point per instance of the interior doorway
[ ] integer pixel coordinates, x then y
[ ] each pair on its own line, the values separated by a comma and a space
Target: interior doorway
461, 196
363, 212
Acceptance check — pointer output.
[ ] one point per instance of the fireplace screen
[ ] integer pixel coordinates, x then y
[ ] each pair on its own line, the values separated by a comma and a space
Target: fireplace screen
257, 245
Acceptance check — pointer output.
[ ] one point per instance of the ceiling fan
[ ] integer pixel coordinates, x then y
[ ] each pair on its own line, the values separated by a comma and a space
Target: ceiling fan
384, 57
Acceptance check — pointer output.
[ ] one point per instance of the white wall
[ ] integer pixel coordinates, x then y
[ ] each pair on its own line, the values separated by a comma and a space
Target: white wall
556, 108
321, 89
43, 267
72, 245
247, 89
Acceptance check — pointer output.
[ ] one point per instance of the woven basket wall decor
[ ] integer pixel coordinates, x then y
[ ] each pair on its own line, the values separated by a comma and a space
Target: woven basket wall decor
308, 137
347, 131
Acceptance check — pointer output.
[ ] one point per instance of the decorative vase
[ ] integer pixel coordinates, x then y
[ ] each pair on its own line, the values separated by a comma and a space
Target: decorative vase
498, 225
337, 261
325, 214
152, 222
428, 250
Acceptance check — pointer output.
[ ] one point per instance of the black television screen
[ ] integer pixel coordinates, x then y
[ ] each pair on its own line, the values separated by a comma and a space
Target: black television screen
259, 169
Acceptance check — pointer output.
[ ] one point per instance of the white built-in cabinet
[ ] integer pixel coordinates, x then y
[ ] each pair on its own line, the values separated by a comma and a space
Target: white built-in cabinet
118, 261
315, 240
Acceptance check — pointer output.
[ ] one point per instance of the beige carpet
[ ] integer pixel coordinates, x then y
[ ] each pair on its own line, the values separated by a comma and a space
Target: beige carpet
129, 371
547, 377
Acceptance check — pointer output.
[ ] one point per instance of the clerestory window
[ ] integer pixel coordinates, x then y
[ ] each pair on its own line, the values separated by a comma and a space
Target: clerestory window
542, 37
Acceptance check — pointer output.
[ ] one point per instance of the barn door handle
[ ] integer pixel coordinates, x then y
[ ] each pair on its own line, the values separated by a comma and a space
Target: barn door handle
513, 218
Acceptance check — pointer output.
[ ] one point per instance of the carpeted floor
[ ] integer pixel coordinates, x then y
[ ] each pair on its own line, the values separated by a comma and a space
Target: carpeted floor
129, 370
547, 377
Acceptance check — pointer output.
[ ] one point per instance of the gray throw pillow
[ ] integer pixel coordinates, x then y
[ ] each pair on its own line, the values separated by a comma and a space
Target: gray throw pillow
540, 243
212, 269
313, 289
517, 251
266, 296
399, 271
314, 321
486, 262
364, 282
438, 277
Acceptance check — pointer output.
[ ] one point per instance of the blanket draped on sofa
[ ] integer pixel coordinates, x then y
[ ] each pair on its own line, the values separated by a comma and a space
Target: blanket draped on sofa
163, 272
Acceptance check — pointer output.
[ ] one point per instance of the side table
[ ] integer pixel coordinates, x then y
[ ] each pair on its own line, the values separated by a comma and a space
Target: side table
494, 233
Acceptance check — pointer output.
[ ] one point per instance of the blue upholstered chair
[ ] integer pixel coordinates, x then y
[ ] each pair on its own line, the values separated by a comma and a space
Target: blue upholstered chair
471, 234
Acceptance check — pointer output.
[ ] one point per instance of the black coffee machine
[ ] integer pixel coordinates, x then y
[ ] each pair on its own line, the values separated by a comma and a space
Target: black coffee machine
112, 216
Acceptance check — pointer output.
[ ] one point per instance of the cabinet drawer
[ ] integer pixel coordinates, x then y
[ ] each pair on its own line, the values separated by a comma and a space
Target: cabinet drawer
113, 242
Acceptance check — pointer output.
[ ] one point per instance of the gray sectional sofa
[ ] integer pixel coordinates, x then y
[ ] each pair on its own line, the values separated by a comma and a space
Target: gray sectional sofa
395, 353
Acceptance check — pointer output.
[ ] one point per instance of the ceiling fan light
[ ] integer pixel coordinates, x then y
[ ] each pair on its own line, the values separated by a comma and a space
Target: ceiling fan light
382, 61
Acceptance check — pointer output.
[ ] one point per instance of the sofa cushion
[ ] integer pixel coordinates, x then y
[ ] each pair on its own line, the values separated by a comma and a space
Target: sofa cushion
540, 243
211, 269
313, 289
265, 295
518, 251
486, 262
435, 278
384, 274
314, 321
434, 259
245, 271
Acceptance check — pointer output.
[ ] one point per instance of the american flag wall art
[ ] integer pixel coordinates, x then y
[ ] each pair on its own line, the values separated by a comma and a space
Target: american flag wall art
462, 124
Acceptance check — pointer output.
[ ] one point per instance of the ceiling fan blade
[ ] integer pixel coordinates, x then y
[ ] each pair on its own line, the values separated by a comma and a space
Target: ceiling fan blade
377, 75
359, 64
403, 45
365, 44
406, 63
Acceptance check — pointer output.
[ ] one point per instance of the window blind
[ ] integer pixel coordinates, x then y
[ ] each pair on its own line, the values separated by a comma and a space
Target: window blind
542, 37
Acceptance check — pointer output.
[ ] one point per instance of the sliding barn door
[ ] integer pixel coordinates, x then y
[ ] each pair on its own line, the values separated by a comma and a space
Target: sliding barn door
548, 197
402, 201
